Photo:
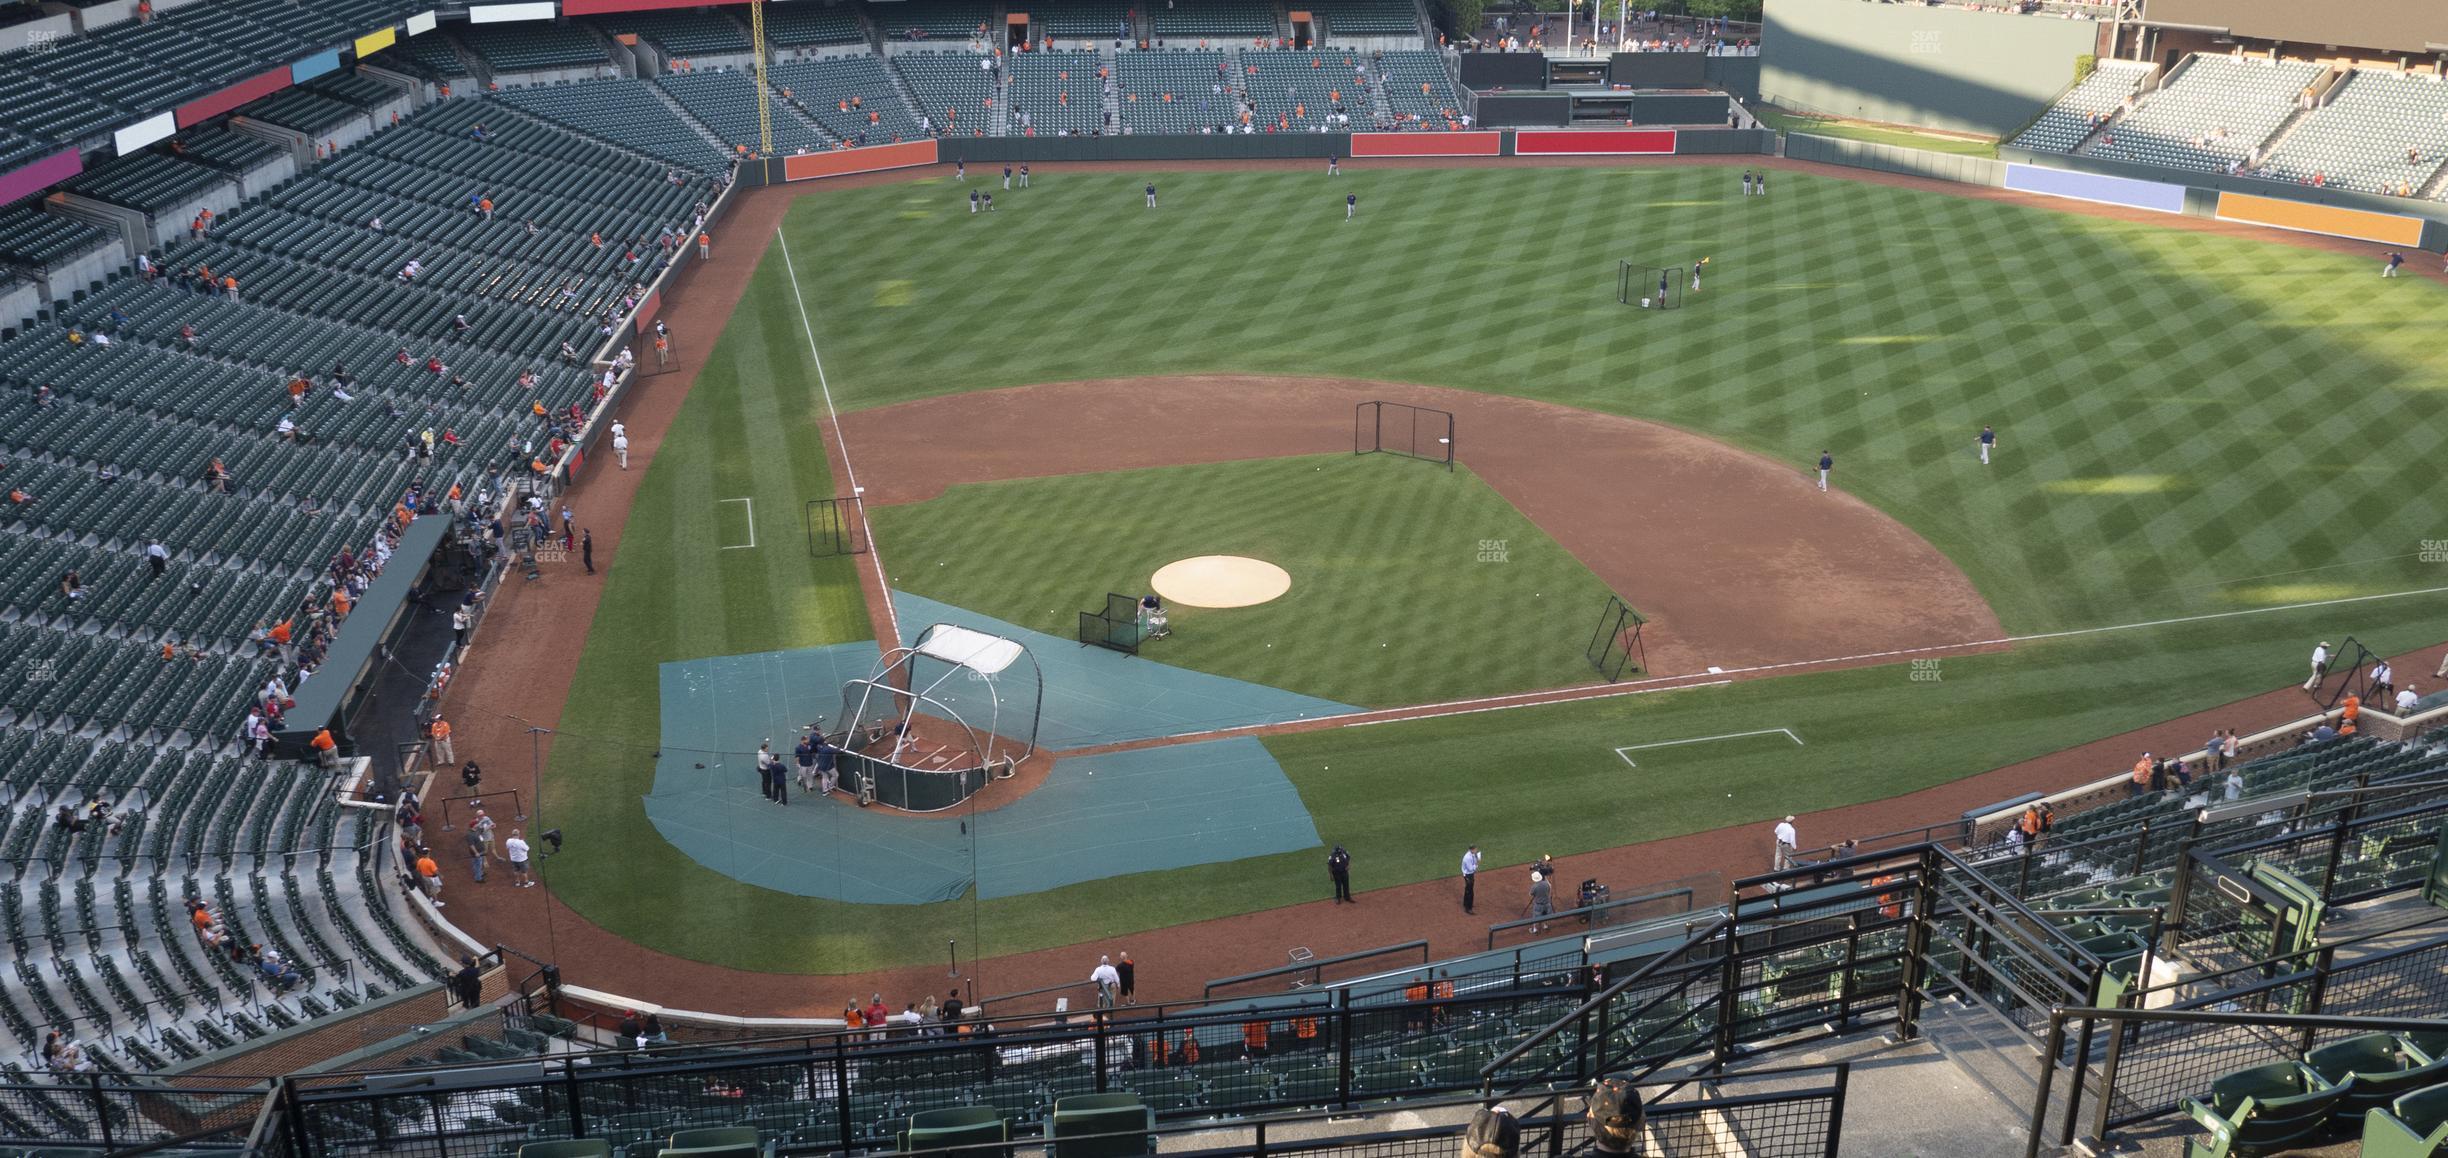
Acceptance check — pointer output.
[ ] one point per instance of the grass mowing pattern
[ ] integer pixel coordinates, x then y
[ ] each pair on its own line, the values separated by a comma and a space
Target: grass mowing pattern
1391, 601
2180, 418
2188, 425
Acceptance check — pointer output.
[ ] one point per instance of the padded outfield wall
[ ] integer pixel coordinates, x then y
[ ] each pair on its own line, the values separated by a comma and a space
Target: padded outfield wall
1944, 68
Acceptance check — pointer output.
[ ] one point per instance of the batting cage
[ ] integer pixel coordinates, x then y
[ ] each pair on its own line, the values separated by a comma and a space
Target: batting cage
1401, 428
934, 720
1649, 287
1615, 646
836, 527
1117, 627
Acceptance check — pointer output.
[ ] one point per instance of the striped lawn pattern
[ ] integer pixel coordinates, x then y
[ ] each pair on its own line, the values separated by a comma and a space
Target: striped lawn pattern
2189, 425
1396, 597
2180, 417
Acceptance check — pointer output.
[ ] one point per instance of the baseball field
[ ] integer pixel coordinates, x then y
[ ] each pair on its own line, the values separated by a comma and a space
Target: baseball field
2212, 451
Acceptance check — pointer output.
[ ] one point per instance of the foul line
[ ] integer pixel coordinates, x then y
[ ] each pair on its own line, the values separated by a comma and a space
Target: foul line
1512, 700
751, 543
1788, 733
892, 618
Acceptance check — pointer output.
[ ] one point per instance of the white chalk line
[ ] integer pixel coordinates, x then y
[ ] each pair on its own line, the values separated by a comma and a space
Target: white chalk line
875, 556
751, 543
1626, 750
1514, 700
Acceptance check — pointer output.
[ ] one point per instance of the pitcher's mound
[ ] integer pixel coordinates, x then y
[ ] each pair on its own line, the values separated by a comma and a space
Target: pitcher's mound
1220, 581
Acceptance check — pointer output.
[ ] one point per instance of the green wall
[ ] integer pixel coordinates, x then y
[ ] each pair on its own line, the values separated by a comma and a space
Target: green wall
1943, 68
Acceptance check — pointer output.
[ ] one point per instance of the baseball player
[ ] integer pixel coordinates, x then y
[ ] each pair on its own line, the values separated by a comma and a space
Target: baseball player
1151, 195
1827, 462
1351, 205
1988, 442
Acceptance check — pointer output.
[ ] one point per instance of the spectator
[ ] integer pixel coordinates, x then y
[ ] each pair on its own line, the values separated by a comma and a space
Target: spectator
429, 876
516, 849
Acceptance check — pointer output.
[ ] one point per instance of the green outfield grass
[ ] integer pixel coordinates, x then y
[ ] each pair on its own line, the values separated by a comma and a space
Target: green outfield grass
1397, 597
2189, 425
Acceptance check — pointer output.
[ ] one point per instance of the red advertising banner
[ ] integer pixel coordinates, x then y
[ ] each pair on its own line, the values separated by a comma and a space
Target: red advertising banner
206, 107
1591, 142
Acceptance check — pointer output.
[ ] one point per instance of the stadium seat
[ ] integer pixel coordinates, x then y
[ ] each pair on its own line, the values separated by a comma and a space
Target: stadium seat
973, 1130
1102, 1126
2413, 1126
2381, 1066
567, 1148
2264, 1109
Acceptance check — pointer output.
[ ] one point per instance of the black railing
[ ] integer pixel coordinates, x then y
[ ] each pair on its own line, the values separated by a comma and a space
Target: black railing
1593, 918
2158, 1056
1312, 970
117, 1113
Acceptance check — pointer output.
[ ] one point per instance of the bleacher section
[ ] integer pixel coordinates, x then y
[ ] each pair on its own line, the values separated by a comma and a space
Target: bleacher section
952, 91
625, 111
824, 88
305, 110
953, 22
1060, 91
108, 445
1301, 90
1092, 20
1367, 18
807, 23
684, 34
2359, 139
726, 102
232, 153
533, 47
2064, 124
432, 54
2210, 116
35, 239
1222, 23
1189, 78
2099, 845
1420, 91
150, 182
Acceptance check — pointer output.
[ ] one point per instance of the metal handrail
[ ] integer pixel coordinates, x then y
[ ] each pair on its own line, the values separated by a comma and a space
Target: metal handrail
1317, 963
1487, 1073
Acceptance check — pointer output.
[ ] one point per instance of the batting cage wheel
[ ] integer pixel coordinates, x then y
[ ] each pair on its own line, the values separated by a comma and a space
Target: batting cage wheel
1649, 287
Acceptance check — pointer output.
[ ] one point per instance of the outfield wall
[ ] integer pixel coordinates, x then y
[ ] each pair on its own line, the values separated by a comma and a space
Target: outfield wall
1946, 68
2361, 216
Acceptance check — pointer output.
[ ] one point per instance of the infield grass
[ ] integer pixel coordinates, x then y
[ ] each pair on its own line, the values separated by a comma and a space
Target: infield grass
1410, 584
2188, 425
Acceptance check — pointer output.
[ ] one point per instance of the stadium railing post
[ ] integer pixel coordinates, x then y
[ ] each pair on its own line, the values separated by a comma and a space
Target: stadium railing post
1836, 1105
2082, 1066
1852, 962
569, 1096
1729, 995
2048, 1076
1100, 1055
101, 1106
1343, 1057
841, 1094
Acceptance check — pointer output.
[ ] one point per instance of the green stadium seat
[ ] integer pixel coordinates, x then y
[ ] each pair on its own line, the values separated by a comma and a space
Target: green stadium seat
975, 1130
1117, 1125
567, 1148
2413, 1126
2381, 1067
2263, 1110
